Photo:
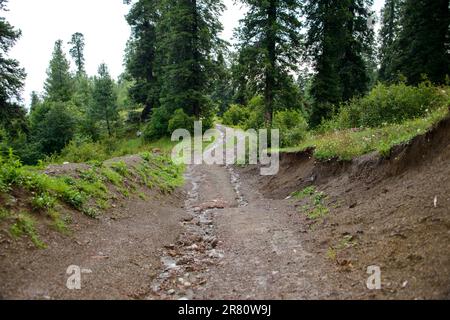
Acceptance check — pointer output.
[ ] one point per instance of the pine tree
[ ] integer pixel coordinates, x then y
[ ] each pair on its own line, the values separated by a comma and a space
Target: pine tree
77, 52
358, 49
270, 35
12, 76
221, 84
423, 47
104, 105
390, 26
59, 84
340, 43
141, 55
35, 101
188, 39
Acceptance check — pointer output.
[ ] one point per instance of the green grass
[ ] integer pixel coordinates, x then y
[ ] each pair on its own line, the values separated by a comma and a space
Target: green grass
80, 152
348, 144
25, 226
112, 176
315, 208
86, 190
300, 195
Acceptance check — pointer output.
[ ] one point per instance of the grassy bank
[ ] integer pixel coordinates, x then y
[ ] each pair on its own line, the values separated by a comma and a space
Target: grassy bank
347, 144
29, 194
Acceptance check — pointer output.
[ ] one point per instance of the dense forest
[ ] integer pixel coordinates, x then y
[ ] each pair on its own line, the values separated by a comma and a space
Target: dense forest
296, 65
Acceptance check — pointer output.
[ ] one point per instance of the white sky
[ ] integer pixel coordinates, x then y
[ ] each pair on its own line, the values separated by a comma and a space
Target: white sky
101, 21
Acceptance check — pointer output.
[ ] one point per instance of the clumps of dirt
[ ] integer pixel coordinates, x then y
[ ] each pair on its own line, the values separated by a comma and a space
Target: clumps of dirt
387, 212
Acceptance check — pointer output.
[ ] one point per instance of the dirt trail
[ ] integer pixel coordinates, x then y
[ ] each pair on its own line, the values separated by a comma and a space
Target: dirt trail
231, 234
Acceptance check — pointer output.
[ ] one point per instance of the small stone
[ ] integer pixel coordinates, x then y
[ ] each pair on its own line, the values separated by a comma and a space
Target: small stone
171, 292
405, 284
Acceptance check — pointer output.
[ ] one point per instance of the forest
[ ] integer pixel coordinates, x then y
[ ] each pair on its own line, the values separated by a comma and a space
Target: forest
305, 67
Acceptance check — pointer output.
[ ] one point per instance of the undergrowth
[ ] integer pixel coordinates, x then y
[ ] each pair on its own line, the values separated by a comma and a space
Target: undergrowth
315, 207
350, 143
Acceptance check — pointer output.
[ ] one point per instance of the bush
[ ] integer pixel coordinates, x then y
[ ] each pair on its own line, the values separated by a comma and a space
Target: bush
389, 104
236, 115
256, 119
83, 150
292, 125
181, 120
157, 127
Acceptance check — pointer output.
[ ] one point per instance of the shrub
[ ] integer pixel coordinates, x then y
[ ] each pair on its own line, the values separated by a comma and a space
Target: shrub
292, 125
389, 104
83, 150
180, 120
157, 127
236, 115
256, 119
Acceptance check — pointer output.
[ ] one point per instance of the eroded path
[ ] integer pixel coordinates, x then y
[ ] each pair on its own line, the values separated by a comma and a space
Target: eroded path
237, 245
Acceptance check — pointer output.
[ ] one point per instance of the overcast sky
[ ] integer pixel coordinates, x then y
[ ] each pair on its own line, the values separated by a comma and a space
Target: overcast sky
101, 21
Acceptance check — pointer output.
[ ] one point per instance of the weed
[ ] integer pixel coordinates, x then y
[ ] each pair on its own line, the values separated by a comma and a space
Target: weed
319, 211
25, 226
43, 201
346, 144
121, 168
59, 224
103, 204
332, 254
112, 176
142, 196
300, 195
317, 208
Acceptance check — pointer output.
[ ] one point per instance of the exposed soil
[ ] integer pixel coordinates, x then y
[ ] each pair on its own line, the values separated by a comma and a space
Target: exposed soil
393, 213
232, 234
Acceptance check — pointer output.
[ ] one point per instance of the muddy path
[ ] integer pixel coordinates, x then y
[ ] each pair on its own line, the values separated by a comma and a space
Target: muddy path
237, 244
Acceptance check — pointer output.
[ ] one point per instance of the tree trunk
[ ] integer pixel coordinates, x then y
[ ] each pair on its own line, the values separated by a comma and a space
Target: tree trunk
146, 112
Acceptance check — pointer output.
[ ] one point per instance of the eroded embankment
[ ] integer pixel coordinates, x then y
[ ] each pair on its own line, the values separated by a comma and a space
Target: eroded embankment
389, 212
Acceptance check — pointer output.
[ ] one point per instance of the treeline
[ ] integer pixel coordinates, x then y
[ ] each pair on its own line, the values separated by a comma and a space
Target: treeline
303, 55
72, 106
312, 57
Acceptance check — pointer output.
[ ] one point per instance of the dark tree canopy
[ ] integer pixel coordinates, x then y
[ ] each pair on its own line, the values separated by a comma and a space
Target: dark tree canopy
12, 75
104, 106
390, 27
340, 45
423, 46
77, 51
270, 44
59, 84
189, 37
141, 55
